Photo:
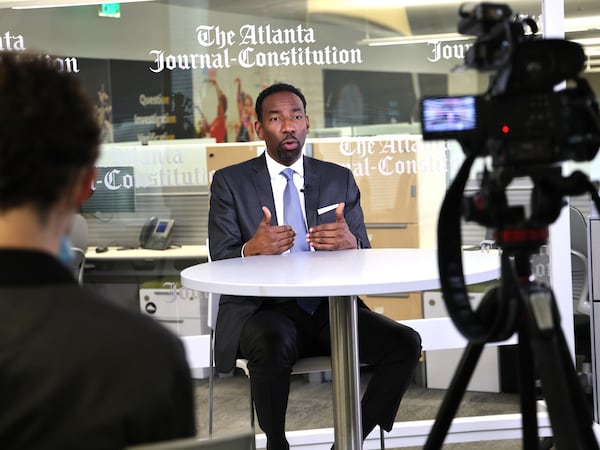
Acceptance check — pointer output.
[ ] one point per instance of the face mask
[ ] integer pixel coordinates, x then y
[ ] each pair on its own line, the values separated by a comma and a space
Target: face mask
65, 254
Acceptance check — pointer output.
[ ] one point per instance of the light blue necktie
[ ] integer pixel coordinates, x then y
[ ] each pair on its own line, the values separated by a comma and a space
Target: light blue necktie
292, 215
292, 212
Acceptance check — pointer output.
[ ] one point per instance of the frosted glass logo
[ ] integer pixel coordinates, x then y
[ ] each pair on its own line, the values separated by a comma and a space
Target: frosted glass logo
114, 181
255, 46
441, 51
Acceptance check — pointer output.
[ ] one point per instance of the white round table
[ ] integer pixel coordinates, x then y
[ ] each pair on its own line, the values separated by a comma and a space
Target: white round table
340, 275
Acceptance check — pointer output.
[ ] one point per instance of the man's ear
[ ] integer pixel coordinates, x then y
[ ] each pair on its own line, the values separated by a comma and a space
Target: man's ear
85, 185
259, 130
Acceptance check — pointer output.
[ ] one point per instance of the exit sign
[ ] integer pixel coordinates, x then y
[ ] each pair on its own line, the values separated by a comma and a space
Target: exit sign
110, 10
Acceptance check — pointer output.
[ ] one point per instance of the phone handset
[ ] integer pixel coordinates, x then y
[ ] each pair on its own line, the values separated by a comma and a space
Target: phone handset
147, 230
156, 233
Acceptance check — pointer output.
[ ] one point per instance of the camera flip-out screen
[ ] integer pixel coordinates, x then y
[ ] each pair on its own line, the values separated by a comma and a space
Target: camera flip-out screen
448, 117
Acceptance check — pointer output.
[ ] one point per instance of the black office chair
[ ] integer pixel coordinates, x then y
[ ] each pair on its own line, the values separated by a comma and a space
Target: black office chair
579, 262
79, 242
581, 301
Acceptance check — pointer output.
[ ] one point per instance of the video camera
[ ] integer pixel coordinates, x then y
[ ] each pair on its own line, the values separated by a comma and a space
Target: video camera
521, 120
527, 127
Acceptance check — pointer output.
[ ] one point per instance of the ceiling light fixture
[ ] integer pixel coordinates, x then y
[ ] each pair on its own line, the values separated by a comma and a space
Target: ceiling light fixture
572, 25
65, 3
417, 39
346, 5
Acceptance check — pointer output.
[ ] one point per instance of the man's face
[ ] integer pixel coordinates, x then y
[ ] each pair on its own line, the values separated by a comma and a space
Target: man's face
284, 127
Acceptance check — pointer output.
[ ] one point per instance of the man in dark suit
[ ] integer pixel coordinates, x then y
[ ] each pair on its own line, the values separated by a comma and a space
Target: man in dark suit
246, 218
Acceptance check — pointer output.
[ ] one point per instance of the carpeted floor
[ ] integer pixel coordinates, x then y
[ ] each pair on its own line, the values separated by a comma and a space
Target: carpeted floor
310, 407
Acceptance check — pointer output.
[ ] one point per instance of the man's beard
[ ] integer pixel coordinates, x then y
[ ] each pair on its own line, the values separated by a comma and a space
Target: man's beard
287, 157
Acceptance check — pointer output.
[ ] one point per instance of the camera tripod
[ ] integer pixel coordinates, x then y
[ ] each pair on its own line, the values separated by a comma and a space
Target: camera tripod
542, 350
519, 304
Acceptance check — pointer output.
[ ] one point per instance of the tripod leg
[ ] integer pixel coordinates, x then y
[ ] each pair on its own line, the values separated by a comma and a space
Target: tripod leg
569, 414
453, 396
527, 392
564, 395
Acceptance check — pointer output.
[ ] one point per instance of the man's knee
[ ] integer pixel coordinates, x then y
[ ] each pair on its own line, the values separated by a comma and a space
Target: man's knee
414, 343
271, 348
408, 344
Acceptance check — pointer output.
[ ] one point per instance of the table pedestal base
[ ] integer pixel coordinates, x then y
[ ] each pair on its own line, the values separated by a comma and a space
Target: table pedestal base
346, 383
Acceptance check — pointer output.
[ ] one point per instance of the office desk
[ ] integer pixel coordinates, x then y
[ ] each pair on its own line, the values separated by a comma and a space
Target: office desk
340, 275
118, 275
116, 253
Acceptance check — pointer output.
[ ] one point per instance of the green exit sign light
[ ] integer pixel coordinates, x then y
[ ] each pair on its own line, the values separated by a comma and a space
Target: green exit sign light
110, 10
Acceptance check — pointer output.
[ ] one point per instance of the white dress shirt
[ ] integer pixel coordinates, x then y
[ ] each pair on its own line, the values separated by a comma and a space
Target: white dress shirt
278, 183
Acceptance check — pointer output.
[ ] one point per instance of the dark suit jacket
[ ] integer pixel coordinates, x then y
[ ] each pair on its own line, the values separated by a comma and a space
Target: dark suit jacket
237, 194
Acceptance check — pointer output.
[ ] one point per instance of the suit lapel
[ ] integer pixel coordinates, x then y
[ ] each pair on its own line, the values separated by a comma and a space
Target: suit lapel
311, 191
262, 184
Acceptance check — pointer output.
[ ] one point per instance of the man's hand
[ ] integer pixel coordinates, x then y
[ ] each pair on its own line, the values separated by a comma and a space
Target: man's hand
270, 240
332, 236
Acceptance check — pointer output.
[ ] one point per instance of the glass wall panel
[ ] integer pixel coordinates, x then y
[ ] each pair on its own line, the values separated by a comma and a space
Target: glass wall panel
190, 71
174, 82
176, 70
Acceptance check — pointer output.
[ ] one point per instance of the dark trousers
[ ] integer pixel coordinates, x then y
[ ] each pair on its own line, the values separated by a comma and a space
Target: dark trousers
280, 332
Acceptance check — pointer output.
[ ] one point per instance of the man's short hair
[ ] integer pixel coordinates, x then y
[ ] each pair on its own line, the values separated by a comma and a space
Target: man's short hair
273, 89
48, 132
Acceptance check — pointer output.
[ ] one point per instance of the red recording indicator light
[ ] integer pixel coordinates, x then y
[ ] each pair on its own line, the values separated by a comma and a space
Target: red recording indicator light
505, 129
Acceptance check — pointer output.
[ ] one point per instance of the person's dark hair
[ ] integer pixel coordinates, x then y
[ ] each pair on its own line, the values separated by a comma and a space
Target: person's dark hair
48, 132
273, 89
